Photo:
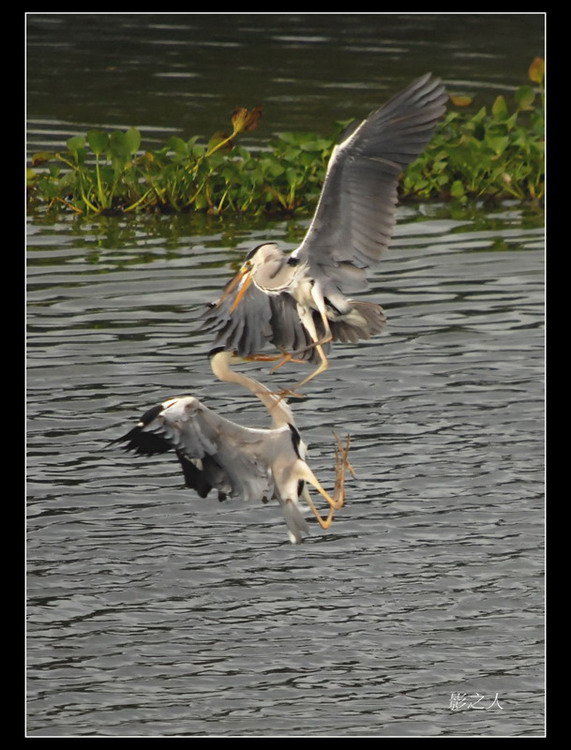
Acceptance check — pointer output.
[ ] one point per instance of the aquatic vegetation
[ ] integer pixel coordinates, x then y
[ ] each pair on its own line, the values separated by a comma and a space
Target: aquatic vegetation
490, 153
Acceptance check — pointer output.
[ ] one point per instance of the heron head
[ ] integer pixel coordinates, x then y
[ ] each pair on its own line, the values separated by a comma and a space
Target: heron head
262, 264
255, 260
263, 253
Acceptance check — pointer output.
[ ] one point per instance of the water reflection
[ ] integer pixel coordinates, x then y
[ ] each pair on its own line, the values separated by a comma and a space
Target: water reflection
153, 612
186, 73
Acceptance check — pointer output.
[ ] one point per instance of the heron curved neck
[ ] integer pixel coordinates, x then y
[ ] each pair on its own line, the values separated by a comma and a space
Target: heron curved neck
278, 409
275, 275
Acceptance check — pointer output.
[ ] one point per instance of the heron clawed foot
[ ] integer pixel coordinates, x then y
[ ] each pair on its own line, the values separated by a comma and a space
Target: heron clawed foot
285, 358
342, 465
338, 500
289, 393
341, 454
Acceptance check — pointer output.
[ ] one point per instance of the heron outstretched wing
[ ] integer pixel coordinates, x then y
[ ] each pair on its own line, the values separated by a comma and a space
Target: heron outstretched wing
213, 451
355, 216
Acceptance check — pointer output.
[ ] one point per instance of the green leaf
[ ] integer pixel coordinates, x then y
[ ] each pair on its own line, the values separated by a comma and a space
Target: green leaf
48, 188
500, 108
132, 140
107, 174
524, 97
498, 143
98, 141
119, 145
177, 145
457, 189
479, 116
75, 143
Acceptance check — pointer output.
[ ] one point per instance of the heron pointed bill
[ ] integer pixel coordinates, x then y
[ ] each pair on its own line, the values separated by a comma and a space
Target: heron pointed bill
245, 278
232, 284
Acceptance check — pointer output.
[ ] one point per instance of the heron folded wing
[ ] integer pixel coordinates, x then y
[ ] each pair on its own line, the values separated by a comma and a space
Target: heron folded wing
250, 478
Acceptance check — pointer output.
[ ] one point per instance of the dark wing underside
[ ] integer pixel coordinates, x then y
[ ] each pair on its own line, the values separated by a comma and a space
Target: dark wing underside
245, 330
259, 319
201, 475
355, 217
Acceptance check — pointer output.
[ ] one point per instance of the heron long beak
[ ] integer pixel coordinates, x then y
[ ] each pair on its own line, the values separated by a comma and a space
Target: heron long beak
245, 278
232, 284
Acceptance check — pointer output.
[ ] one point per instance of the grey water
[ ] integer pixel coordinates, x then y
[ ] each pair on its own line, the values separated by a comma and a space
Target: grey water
154, 613
186, 73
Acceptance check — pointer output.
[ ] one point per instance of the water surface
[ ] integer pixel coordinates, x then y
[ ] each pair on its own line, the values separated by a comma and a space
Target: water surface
186, 73
155, 613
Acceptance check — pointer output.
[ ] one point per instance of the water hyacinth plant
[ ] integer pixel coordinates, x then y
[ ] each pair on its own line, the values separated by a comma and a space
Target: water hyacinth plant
495, 154
478, 154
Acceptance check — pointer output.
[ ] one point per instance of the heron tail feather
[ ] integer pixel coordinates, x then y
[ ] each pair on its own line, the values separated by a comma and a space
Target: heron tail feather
296, 523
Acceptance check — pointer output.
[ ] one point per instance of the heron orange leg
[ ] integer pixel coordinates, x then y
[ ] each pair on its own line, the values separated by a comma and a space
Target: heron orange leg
285, 357
338, 500
325, 523
307, 320
323, 365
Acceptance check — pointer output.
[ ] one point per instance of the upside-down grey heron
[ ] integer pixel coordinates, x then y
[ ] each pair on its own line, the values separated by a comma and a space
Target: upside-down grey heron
298, 302
253, 464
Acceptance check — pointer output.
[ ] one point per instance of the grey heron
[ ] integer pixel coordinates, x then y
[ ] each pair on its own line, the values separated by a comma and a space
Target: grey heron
254, 464
299, 301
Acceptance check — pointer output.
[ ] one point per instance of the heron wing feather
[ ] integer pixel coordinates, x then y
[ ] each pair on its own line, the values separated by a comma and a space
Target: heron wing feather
213, 451
355, 216
245, 329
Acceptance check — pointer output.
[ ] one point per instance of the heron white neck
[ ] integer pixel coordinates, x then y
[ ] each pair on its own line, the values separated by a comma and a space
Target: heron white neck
278, 409
275, 275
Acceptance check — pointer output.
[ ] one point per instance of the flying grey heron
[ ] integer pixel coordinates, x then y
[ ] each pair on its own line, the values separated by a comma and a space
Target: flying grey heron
253, 464
298, 302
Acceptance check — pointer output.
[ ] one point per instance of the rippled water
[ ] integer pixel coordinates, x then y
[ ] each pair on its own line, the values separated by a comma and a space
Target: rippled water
186, 72
155, 613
